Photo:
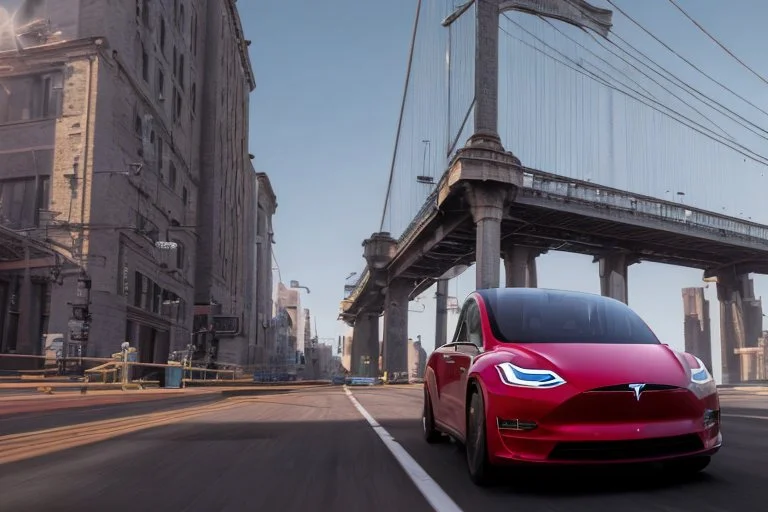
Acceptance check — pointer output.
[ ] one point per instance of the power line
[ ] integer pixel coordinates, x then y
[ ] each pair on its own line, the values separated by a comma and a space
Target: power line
717, 42
726, 134
680, 84
697, 127
687, 61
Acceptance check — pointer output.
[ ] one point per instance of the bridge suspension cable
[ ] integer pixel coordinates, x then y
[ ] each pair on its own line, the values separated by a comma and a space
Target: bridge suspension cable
718, 43
685, 120
684, 59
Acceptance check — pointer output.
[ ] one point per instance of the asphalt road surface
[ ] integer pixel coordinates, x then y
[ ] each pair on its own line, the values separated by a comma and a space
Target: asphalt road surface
312, 450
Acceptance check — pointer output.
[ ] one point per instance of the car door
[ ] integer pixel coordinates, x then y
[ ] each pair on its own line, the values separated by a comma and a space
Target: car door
454, 360
466, 351
443, 368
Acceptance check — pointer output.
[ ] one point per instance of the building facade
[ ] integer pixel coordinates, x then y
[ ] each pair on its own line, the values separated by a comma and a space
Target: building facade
126, 185
696, 325
225, 241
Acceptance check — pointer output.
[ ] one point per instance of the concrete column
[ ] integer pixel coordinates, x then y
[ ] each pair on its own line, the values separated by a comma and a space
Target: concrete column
487, 204
372, 347
365, 343
441, 316
732, 336
396, 327
520, 266
614, 273
358, 340
487, 69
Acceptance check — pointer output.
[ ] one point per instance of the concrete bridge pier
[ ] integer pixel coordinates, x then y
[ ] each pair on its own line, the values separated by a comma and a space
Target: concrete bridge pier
520, 266
614, 275
365, 345
441, 315
730, 294
487, 206
396, 326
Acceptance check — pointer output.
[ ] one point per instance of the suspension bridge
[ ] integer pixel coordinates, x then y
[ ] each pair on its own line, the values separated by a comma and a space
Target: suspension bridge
535, 125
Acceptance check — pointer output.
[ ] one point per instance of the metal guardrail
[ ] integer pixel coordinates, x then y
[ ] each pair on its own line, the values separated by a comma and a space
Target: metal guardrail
116, 369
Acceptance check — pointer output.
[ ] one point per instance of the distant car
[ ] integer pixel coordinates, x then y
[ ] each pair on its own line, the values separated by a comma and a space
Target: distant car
555, 377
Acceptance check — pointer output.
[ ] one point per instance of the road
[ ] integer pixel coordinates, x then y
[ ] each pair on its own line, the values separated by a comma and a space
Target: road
312, 450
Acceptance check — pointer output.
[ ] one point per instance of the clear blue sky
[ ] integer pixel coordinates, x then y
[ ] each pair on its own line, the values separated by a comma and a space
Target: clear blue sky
323, 120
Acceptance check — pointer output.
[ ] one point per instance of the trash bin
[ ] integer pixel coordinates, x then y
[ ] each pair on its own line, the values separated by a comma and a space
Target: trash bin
173, 377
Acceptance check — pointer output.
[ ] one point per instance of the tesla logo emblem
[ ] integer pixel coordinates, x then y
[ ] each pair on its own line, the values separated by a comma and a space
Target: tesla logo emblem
637, 388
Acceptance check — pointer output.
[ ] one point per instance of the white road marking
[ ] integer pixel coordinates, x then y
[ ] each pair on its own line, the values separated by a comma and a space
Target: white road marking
744, 416
434, 494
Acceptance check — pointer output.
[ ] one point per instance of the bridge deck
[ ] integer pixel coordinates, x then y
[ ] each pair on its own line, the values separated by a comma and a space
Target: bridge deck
552, 212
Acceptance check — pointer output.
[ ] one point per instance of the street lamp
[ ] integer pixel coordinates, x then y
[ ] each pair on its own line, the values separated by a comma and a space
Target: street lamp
295, 284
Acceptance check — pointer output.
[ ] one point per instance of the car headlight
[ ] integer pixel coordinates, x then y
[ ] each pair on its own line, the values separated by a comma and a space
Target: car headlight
700, 375
515, 376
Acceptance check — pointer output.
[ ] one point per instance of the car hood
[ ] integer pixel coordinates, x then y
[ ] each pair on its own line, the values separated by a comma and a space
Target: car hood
594, 365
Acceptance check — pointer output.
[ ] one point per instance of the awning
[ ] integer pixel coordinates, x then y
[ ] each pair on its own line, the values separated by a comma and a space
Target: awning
13, 252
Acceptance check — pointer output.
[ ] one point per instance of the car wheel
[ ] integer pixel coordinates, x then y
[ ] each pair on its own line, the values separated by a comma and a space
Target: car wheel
689, 466
431, 434
480, 469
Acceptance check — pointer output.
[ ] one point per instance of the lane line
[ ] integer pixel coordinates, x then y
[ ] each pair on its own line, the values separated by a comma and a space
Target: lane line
430, 489
744, 416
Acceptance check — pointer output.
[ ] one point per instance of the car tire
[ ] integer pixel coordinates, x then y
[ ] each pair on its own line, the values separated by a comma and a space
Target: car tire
689, 466
431, 434
481, 472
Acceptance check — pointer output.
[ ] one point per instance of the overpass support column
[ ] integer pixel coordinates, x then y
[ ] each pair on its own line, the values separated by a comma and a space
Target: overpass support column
487, 204
614, 276
441, 315
396, 327
730, 292
520, 266
360, 335
368, 344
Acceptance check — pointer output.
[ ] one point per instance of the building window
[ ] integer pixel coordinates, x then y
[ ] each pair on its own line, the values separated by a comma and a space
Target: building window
144, 64
172, 175
180, 256
160, 83
160, 155
22, 199
178, 105
162, 35
145, 12
137, 125
193, 98
175, 59
181, 70
193, 32
28, 98
181, 17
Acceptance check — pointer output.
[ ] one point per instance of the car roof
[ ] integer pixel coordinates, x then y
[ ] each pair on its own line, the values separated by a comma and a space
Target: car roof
496, 294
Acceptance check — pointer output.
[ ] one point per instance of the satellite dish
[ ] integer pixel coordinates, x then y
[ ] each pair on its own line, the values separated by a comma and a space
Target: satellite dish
454, 272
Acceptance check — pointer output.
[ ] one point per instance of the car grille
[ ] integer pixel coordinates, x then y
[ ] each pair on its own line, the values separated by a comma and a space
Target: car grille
625, 450
620, 405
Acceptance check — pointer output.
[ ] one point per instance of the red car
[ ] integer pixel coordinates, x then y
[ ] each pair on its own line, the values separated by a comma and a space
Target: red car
554, 377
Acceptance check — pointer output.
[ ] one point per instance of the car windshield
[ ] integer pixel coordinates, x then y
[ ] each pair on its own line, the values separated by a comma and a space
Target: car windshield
563, 317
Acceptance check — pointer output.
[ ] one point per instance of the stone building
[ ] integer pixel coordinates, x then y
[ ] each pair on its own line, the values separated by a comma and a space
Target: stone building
125, 179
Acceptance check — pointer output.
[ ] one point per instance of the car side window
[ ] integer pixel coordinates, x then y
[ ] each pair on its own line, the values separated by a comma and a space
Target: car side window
474, 327
461, 334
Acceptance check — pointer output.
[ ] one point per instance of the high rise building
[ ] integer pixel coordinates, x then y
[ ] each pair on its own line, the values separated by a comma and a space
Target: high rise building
696, 325
126, 186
